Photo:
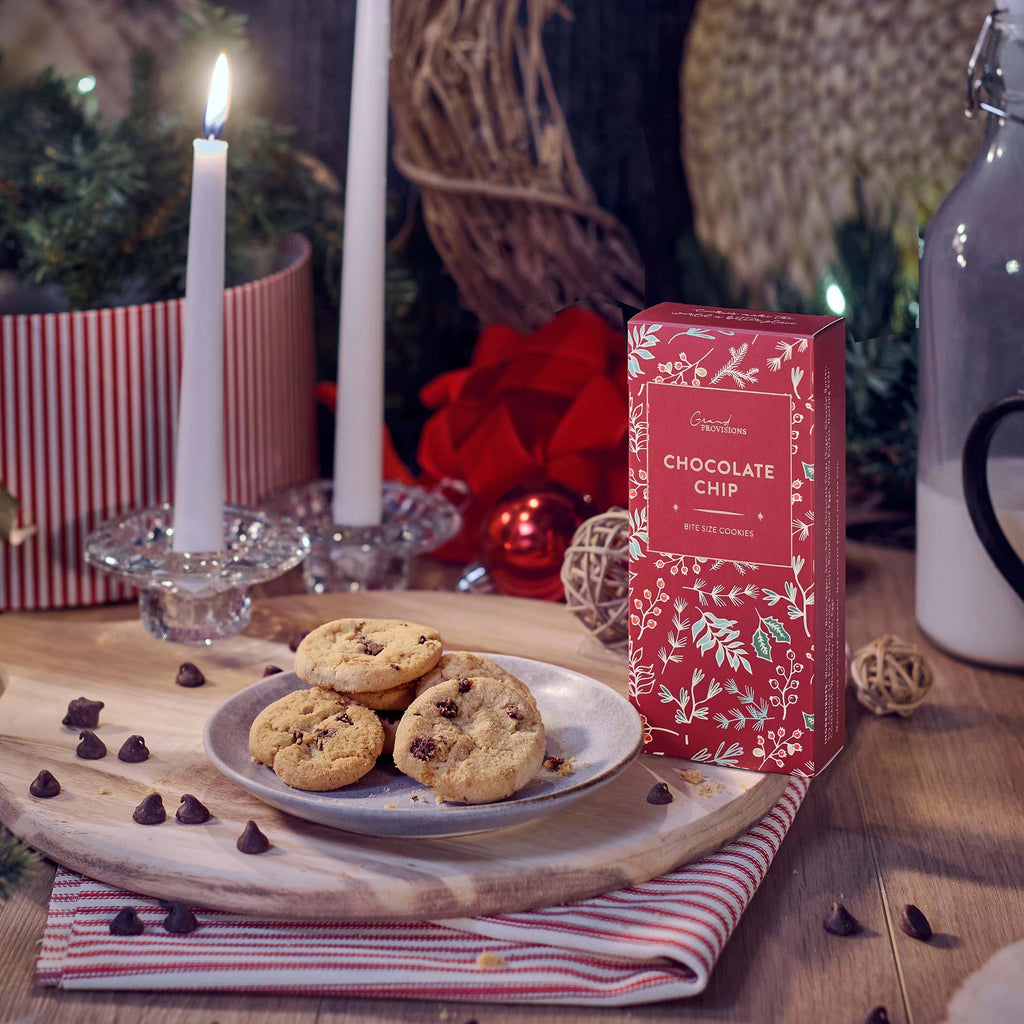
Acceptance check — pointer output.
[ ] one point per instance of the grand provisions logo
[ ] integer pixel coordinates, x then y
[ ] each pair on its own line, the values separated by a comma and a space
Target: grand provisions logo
711, 426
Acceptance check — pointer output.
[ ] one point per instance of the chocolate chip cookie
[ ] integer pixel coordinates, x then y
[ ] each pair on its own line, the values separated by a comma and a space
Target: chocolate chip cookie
397, 698
359, 655
473, 740
334, 753
466, 664
294, 713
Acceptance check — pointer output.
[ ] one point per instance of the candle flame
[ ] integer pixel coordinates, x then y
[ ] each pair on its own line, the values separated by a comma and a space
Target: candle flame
219, 101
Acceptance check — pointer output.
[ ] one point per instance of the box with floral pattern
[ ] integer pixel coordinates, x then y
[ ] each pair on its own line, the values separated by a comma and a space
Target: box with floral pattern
736, 484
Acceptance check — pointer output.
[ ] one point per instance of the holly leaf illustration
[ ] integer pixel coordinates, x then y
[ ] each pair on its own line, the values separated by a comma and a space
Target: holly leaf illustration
809, 470
762, 645
777, 630
809, 721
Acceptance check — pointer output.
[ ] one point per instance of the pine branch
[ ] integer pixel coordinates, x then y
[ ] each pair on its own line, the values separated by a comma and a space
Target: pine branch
17, 862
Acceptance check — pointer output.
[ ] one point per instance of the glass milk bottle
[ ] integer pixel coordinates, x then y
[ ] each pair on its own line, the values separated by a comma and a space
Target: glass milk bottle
972, 353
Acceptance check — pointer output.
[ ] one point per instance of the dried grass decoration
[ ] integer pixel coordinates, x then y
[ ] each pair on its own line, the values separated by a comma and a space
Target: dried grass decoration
595, 574
478, 127
891, 675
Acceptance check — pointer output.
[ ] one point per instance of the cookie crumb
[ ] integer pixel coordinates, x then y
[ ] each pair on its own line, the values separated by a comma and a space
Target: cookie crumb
490, 961
104, 791
559, 765
693, 776
709, 788
391, 807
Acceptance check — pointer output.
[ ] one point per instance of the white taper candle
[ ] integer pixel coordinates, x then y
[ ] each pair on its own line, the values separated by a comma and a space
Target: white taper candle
199, 446
360, 402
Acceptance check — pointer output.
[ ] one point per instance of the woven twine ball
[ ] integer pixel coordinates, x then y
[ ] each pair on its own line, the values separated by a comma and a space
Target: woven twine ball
595, 573
891, 675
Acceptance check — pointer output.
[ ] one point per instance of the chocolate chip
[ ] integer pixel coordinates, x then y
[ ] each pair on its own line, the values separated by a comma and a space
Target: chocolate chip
191, 811
189, 675
514, 713
252, 840
150, 811
325, 733
879, 1015
914, 923
83, 713
553, 763
181, 920
370, 647
133, 750
422, 640
839, 921
464, 685
92, 748
44, 785
271, 670
297, 638
659, 794
126, 922
422, 748
447, 708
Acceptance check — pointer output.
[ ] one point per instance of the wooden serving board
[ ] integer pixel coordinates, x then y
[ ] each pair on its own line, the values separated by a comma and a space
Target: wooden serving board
609, 839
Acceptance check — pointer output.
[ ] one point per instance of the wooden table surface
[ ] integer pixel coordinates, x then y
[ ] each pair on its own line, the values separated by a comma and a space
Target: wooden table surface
926, 810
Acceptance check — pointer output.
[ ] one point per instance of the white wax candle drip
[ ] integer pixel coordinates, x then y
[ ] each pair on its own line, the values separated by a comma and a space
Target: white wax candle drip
360, 402
199, 447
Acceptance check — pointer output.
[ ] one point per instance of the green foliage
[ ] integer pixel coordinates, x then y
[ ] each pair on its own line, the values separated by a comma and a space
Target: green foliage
17, 862
101, 212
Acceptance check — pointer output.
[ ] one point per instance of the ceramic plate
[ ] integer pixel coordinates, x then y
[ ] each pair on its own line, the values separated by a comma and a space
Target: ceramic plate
583, 719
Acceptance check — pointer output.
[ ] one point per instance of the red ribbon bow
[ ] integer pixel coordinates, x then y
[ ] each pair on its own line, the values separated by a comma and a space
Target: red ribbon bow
552, 405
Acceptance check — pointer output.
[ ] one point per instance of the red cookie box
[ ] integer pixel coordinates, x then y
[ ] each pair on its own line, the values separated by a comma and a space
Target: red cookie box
737, 509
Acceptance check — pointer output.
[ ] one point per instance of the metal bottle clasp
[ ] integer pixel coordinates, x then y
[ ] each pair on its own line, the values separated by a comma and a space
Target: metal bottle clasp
974, 81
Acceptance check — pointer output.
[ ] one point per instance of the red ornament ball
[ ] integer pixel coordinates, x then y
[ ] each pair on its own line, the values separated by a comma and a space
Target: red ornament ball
525, 537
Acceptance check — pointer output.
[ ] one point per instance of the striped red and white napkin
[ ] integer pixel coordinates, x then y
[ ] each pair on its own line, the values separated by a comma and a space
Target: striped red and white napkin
641, 944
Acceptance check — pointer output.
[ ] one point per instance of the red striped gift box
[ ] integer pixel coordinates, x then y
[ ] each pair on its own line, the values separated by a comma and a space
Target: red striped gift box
88, 409
646, 943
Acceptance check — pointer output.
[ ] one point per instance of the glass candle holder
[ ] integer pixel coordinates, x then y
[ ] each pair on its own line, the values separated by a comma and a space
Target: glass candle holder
196, 597
352, 558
